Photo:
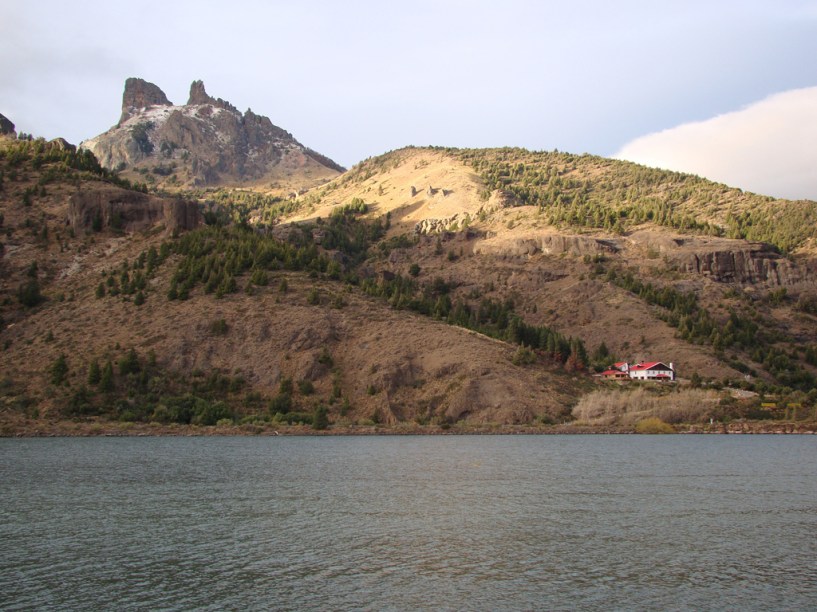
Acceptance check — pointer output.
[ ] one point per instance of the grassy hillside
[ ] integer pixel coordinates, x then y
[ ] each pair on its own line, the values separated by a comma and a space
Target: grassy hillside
594, 192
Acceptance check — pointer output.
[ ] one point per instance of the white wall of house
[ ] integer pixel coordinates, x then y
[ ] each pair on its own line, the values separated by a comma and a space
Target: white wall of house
648, 374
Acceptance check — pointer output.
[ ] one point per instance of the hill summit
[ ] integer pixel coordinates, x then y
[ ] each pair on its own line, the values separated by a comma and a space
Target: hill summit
206, 142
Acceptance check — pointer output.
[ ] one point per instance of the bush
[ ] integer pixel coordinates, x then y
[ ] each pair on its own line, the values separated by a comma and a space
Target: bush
294, 418
523, 356
219, 327
281, 403
653, 425
206, 413
29, 294
306, 387
320, 419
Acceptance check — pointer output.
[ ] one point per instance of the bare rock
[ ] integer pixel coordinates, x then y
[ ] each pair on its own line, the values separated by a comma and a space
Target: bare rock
6, 127
753, 263
61, 145
140, 95
130, 211
205, 142
548, 244
727, 260
198, 95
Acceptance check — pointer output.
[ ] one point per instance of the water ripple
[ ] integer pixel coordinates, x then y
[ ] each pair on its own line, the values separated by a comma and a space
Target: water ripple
447, 523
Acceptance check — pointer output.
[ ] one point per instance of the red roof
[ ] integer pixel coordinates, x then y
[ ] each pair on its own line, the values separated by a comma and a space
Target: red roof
620, 364
613, 373
650, 365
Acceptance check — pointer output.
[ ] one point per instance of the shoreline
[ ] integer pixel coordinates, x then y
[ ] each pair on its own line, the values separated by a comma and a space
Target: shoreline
51, 429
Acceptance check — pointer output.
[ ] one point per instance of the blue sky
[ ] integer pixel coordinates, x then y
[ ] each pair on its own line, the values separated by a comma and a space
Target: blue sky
357, 78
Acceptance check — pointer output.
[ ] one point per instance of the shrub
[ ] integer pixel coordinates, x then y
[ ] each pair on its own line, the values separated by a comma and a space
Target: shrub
286, 386
306, 387
325, 358
281, 403
219, 327
320, 419
29, 294
523, 356
294, 418
207, 413
653, 425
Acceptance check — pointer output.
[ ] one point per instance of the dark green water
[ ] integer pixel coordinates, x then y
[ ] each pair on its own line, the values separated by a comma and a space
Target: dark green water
402, 523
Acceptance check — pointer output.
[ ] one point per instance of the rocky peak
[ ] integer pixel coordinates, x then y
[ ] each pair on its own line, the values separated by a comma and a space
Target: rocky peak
198, 95
6, 126
204, 142
140, 94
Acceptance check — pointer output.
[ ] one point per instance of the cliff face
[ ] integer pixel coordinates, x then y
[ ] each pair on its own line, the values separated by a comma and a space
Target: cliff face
728, 261
204, 142
751, 265
129, 211
547, 244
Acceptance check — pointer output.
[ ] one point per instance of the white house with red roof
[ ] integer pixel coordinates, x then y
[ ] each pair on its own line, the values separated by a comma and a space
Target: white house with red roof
648, 370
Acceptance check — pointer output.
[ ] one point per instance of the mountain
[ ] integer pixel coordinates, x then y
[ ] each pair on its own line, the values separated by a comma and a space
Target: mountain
423, 290
206, 142
95, 273
652, 264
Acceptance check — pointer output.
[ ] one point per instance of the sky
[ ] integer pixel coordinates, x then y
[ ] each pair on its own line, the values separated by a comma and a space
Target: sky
354, 79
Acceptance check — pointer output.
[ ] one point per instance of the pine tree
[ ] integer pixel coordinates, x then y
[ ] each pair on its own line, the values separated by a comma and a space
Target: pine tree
58, 370
94, 373
106, 379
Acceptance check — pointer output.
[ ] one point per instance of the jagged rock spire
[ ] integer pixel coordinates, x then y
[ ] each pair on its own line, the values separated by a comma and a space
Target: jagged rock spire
198, 95
140, 94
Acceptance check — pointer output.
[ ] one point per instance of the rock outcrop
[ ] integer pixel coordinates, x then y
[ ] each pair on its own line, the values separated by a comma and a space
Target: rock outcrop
61, 144
547, 244
749, 264
130, 211
724, 260
140, 95
6, 127
204, 142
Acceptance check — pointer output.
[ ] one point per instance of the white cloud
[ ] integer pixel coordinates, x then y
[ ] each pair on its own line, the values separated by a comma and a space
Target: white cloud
769, 147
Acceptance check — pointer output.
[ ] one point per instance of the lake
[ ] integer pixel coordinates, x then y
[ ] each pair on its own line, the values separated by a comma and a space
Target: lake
409, 522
